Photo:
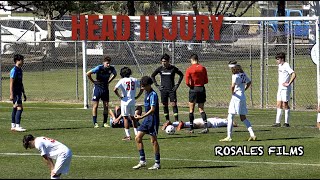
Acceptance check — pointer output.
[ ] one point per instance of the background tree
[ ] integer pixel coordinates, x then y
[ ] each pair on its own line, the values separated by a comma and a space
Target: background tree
53, 10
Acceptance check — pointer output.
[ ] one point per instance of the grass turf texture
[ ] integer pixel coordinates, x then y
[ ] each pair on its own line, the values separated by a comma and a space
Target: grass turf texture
100, 153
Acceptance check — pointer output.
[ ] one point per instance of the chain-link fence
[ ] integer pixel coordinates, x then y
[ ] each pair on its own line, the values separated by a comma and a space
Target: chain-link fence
53, 70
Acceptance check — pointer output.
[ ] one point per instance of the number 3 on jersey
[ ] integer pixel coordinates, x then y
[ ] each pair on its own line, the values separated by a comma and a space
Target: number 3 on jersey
49, 139
130, 85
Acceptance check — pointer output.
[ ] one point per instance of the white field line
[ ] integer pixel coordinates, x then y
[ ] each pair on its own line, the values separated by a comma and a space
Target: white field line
173, 159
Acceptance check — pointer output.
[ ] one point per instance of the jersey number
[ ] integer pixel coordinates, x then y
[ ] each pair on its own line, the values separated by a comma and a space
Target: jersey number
130, 83
49, 139
243, 78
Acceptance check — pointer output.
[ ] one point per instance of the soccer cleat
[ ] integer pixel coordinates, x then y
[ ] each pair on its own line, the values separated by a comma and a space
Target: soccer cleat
286, 125
180, 126
276, 125
126, 138
252, 138
106, 125
227, 139
191, 131
204, 131
155, 166
165, 125
13, 129
140, 165
96, 125
20, 129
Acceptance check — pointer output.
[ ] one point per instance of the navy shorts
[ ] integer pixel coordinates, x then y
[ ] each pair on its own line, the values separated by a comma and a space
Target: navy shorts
150, 125
17, 99
100, 93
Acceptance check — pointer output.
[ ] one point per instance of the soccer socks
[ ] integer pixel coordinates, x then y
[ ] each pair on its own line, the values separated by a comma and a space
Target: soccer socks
13, 115
135, 131
204, 117
143, 155
175, 113
166, 112
230, 125
127, 131
248, 125
191, 118
94, 119
18, 116
279, 114
157, 158
318, 118
286, 116
105, 118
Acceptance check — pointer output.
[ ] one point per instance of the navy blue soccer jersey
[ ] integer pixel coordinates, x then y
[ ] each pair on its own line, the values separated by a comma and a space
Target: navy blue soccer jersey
103, 74
150, 123
16, 74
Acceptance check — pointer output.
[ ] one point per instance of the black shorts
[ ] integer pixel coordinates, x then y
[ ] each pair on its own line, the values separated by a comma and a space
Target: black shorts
197, 94
165, 94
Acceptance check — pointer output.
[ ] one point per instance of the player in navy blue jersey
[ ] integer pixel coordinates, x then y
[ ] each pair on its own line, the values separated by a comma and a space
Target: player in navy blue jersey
150, 124
16, 91
105, 73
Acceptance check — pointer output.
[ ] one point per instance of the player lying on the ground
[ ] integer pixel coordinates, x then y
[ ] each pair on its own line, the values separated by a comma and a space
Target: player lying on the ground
198, 123
116, 120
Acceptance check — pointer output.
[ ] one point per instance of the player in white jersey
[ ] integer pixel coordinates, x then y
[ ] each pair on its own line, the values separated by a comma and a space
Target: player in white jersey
128, 86
284, 89
214, 122
51, 149
239, 84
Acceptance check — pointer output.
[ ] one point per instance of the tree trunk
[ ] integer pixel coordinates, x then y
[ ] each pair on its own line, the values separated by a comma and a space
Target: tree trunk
281, 28
195, 7
50, 47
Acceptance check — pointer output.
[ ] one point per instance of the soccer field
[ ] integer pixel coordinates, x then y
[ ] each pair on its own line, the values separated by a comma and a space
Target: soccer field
100, 153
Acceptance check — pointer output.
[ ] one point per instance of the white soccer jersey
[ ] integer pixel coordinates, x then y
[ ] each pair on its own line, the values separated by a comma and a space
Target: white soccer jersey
240, 80
50, 147
128, 87
284, 71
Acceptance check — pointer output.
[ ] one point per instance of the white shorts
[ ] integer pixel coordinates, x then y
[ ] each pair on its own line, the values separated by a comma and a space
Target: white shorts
283, 95
238, 106
63, 162
127, 109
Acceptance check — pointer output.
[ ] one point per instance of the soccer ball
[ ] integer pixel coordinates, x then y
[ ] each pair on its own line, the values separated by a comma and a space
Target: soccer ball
170, 129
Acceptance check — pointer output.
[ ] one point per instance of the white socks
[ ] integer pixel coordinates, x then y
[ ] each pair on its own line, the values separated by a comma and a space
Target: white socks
248, 125
230, 125
318, 118
127, 131
286, 116
279, 114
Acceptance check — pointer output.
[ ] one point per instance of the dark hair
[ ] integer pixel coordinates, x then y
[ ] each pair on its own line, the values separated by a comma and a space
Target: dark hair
107, 58
146, 80
194, 57
125, 72
139, 109
26, 140
281, 55
165, 57
18, 57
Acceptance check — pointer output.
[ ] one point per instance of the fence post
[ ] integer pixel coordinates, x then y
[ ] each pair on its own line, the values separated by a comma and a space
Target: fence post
262, 64
84, 74
0, 69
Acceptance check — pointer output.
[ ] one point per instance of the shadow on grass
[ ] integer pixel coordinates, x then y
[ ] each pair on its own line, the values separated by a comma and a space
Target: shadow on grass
287, 138
260, 130
53, 129
202, 167
174, 136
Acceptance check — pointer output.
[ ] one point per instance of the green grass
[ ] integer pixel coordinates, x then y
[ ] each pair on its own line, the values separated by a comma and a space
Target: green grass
100, 153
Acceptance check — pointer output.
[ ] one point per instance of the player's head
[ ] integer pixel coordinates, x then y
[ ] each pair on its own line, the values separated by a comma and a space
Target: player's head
281, 57
146, 82
18, 57
26, 140
106, 61
194, 58
125, 72
232, 64
236, 69
138, 110
165, 59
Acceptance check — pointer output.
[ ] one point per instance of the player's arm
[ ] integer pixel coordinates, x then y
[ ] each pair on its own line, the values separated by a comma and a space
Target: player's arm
153, 77
293, 77
24, 93
233, 85
187, 78
114, 75
247, 85
151, 110
11, 88
205, 75
115, 90
49, 162
139, 94
89, 75
180, 79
